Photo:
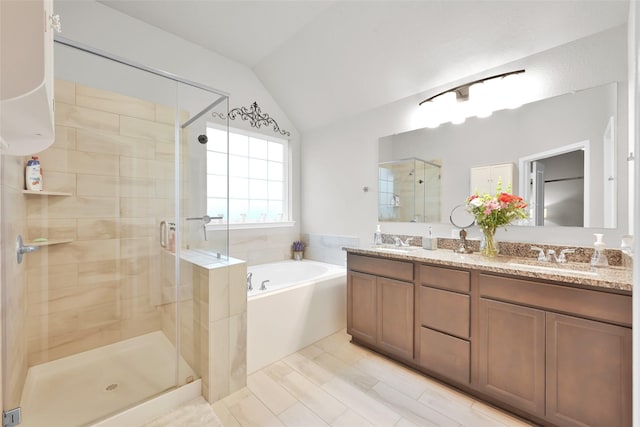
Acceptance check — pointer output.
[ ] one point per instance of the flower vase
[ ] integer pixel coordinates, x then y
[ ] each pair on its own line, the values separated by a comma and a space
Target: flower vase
490, 247
297, 255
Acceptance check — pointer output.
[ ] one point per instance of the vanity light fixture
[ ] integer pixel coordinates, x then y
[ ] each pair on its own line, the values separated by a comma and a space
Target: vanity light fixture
478, 98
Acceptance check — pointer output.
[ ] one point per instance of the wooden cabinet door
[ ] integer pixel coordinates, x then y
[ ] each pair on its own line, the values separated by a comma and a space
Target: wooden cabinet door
362, 307
588, 372
395, 317
511, 355
444, 354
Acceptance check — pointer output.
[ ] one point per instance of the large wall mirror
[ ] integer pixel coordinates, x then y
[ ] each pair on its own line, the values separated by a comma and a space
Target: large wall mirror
568, 163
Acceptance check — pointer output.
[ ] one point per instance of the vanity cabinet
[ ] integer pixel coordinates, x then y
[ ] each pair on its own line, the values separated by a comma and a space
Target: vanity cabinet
380, 304
443, 322
511, 357
362, 307
555, 353
569, 369
588, 372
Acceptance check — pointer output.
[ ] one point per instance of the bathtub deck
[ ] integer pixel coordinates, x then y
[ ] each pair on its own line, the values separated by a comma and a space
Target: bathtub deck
78, 389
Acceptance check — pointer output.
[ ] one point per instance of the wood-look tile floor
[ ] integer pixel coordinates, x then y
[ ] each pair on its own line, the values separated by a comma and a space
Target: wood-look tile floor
336, 383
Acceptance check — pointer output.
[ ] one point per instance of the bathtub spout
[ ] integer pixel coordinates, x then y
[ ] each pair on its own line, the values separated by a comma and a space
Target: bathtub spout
263, 286
249, 285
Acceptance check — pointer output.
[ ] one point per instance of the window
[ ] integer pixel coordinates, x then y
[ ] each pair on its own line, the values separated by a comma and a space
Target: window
258, 177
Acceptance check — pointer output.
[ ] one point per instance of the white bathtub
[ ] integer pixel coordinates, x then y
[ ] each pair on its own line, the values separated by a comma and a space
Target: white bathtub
304, 302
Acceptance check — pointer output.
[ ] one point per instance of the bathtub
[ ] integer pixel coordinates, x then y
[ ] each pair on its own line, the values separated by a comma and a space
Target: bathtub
305, 301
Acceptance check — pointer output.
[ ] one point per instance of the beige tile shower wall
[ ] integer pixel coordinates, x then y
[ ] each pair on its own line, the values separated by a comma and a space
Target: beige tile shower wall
114, 154
213, 325
194, 315
14, 299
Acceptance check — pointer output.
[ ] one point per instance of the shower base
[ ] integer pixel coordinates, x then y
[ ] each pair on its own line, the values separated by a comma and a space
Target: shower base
80, 389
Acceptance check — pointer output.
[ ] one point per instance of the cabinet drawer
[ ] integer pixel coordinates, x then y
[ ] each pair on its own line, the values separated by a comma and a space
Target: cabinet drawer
445, 278
444, 310
597, 305
444, 354
400, 270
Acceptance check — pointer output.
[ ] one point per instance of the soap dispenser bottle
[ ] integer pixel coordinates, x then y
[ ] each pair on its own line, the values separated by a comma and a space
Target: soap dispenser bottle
428, 242
33, 174
377, 237
599, 258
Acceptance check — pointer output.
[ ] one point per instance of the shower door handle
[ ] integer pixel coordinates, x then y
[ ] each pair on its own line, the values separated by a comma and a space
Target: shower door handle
163, 234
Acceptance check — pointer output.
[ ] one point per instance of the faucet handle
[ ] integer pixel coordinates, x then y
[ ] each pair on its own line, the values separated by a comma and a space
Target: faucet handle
541, 255
563, 255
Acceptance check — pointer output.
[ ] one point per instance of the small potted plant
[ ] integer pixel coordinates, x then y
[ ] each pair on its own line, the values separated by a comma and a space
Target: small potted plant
298, 250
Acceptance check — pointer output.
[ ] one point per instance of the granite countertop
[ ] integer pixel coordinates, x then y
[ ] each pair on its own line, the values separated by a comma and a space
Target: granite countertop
581, 274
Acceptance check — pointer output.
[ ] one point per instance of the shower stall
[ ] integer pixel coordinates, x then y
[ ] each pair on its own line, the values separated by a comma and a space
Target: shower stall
102, 314
409, 190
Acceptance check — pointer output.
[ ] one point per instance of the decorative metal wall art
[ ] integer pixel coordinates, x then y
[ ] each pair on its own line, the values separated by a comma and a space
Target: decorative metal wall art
255, 116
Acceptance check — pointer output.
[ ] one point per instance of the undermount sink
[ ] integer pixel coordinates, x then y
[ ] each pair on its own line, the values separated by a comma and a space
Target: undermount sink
573, 268
397, 249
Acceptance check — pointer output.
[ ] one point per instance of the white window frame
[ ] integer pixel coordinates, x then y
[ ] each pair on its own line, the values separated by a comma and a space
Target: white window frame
287, 220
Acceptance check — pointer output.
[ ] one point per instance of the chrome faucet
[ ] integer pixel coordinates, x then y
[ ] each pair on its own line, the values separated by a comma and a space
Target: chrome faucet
400, 243
551, 255
541, 255
563, 255
249, 285
263, 286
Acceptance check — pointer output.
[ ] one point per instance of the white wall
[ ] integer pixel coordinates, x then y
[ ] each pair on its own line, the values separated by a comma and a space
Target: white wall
340, 159
100, 27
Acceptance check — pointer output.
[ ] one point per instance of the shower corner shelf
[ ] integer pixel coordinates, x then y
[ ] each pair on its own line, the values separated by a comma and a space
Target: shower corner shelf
51, 242
46, 193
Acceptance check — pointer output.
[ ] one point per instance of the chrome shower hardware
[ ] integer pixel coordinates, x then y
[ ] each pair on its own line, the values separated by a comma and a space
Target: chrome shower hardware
22, 249
206, 219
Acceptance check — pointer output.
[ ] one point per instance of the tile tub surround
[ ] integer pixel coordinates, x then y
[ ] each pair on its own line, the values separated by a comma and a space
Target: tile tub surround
612, 278
327, 248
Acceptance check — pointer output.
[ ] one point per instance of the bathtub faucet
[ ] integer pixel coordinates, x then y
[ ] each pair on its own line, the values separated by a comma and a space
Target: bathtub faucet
262, 286
249, 285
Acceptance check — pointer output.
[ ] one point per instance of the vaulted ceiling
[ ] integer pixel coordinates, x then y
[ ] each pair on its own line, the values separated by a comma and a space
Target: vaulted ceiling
326, 60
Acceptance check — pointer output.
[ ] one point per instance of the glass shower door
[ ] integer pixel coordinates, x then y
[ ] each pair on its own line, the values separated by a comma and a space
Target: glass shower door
203, 244
90, 319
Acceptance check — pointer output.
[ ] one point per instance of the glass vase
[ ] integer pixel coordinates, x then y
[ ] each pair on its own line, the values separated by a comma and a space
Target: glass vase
490, 247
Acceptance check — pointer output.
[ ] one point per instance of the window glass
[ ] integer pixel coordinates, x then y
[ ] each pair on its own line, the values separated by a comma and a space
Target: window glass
257, 176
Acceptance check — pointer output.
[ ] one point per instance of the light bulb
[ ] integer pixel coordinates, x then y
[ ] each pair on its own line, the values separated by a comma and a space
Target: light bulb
429, 114
480, 99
